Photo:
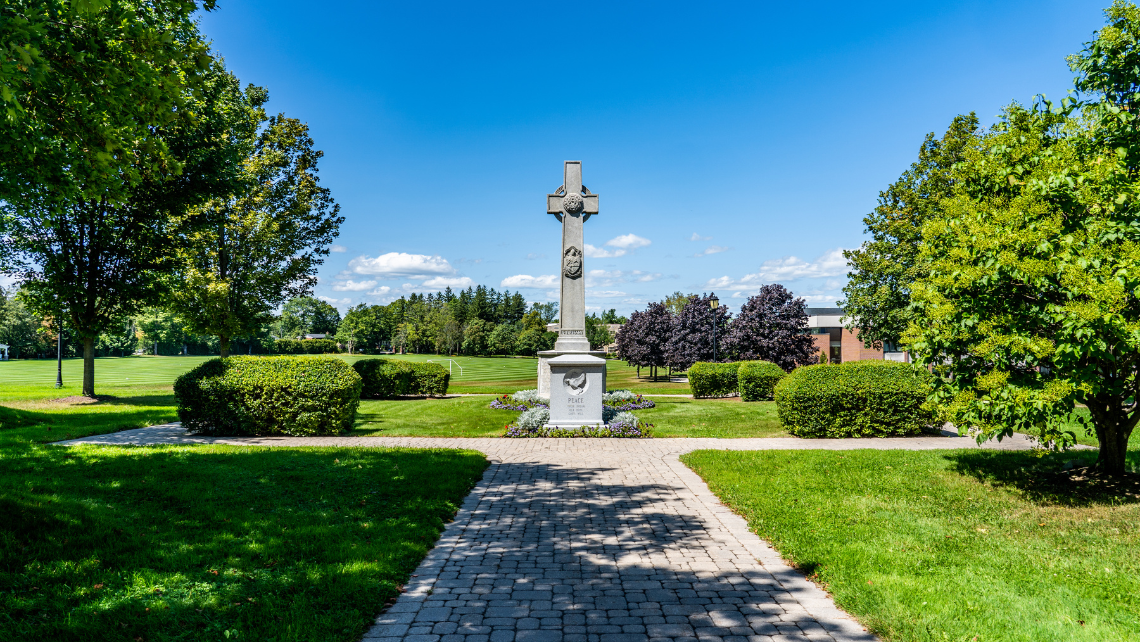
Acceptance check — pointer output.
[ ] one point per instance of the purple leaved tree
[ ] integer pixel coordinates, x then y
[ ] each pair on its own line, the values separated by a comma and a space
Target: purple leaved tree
772, 327
692, 337
641, 342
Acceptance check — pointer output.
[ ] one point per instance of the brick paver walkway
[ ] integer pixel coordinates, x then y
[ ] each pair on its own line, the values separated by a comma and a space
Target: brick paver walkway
597, 540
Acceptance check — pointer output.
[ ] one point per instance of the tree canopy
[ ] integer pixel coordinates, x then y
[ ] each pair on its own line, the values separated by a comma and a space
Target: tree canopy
772, 326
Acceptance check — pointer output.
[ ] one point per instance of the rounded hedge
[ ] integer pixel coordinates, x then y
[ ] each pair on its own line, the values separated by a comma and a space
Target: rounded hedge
855, 399
757, 380
305, 346
387, 378
269, 396
708, 379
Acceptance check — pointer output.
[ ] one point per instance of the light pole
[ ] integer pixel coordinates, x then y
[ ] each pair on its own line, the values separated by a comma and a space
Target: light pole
59, 354
713, 303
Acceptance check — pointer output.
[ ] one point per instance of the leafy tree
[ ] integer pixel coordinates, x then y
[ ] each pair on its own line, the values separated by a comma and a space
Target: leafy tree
476, 337
642, 341
611, 316
361, 328
105, 144
597, 333
306, 315
160, 332
548, 312
691, 338
251, 249
883, 269
1032, 299
118, 339
677, 301
19, 326
772, 326
503, 339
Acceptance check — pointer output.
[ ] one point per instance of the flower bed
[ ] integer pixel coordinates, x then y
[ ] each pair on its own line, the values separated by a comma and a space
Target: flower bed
622, 400
531, 423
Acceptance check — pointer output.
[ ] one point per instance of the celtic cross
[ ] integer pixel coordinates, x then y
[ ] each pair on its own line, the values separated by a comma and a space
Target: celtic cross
572, 204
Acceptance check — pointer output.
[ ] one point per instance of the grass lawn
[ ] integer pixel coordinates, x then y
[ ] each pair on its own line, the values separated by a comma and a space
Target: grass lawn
728, 418
495, 375
191, 542
946, 545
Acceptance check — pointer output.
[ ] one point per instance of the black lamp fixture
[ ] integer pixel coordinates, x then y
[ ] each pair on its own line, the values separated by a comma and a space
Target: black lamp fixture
714, 302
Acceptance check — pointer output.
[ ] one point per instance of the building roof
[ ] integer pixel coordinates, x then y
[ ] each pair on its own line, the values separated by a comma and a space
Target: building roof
824, 312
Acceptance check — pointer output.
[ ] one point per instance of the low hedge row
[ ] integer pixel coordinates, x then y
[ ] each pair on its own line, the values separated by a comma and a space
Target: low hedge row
305, 346
757, 380
387, 378
754, 380
268, 396
855, 399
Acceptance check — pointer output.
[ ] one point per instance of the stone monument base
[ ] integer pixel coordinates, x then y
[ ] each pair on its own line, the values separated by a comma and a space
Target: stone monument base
577, 382
544, 358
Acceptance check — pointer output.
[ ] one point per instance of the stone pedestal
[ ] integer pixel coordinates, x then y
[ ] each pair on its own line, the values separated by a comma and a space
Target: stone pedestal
577, 382
544, 358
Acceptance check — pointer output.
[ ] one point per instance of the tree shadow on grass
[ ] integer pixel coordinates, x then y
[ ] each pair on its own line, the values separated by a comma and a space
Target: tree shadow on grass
1066, 479
184, 543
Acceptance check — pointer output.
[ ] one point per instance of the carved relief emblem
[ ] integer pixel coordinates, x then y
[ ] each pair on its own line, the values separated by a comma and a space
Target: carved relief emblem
572, 263
572, 203
575, 382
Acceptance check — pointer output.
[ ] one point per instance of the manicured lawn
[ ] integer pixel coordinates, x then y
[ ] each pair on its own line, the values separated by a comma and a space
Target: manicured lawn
728, 418
947, 545
496, 375
453, 417
187, 543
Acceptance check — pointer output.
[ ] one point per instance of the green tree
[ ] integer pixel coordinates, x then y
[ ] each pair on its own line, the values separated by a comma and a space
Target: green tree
503, 339
676, 302
1031, 303
306, 315
100, 132
361, 327
246, 252
19, 326
597, 333
476, 337
884, 268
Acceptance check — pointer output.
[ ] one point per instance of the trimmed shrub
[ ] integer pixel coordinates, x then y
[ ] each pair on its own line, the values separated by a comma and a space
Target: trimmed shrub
268, 396
855, 399
757, 379
305, 346
387, 378
713, 379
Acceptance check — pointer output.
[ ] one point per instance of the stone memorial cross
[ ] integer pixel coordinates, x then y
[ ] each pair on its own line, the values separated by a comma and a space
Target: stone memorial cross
572, 204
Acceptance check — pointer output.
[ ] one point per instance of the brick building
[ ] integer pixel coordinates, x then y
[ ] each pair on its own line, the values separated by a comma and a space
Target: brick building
839, 343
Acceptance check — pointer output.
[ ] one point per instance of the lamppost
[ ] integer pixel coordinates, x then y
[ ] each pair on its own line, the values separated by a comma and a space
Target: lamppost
59, 354
713, 303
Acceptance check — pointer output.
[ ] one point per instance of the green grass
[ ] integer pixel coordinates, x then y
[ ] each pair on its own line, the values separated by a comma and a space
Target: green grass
946, 545
495, 375
453, 417
186, 543
725, 418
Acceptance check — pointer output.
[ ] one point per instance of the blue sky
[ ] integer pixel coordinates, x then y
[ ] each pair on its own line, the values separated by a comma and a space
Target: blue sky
732, 144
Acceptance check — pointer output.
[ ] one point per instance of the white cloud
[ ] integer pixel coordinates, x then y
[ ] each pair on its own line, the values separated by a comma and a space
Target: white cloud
395, 264
336, 303
442, 282
605, 294
338, 248
827, 300
786, 269
698, 237
380, 291
7, 281
353, 286
604, 278
712, 249
599, 253
528, 281
628, 242
532, 256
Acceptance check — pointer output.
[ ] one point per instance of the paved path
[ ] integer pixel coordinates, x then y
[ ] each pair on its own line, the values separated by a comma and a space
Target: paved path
597, 540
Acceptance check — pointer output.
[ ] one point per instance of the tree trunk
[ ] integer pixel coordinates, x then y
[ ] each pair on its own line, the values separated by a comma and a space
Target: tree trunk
224, 346
89, 366
1113, 440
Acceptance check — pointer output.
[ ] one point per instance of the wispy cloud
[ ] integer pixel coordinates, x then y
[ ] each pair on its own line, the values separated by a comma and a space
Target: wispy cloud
622, 245
698, 237
441, 282
528, 281
397, 264
784, 270
604, 278
533, 256
353, 286
605, 294
337, 248
340, 304
383, 290
712, 249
